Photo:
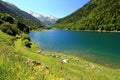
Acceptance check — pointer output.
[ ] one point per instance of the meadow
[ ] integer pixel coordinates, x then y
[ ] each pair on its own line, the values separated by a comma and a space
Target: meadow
19, 62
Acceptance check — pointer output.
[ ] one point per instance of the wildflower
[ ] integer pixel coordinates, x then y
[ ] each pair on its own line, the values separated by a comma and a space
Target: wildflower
46, 72
19, 67
31, 78
37, 68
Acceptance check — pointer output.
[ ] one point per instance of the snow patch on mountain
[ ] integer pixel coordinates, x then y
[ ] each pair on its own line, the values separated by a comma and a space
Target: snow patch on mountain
46, 19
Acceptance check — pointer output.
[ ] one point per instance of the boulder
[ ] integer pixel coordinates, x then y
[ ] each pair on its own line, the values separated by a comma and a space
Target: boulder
45, 68
65, 60
39, 52
36, 63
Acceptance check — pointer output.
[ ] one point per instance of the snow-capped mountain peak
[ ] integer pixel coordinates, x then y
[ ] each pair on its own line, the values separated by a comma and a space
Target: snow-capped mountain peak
46, 19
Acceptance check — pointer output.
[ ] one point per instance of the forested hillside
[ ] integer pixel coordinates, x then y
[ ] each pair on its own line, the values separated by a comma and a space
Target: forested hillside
11, 26
95, 15
19, 15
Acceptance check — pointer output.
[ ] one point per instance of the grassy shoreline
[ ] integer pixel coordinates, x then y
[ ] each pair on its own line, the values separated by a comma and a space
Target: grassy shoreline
78, 68
88, 30
19, 62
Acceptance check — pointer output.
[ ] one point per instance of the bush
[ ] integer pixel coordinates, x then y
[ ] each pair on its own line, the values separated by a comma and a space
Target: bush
8, 19
101, 28
27, 43
9, 32
9, 29
92, 27
107, 27
23, 27
1, 22
118, 27
26, 40
25, 37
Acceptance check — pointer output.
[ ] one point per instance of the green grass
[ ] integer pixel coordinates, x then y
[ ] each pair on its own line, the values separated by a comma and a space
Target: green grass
16, 64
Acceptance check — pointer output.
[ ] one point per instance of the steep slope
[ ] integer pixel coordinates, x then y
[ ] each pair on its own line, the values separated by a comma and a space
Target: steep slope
11, 26
48, 20
95, 15
20, 15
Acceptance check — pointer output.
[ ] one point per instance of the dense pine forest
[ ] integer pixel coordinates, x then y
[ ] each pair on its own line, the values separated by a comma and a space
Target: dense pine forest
95, 15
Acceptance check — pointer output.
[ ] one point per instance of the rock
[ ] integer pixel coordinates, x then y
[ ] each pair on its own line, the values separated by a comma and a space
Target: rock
57, 56
93, 66
28, 62
39, 52
65, 61
47, 55
54, 56
36, 63
45, 68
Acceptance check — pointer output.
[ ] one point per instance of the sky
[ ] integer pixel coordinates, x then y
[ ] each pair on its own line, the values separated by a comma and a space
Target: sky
57, 8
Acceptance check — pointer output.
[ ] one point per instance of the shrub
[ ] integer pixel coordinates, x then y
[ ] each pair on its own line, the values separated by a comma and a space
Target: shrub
107, 27
118, 27
8, 19
101, 27
9, 29
26, 40
9, 32
23, 27
25, 37
27, 43
1, 22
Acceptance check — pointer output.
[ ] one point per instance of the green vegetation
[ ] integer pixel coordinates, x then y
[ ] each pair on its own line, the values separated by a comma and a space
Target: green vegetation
95, 15
19, 15
11, 26
20, 62
9, 29
21, 59
26, 40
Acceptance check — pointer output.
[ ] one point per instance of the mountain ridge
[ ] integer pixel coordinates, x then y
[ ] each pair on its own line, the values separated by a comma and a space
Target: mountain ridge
46, 19
95, 15
20, 15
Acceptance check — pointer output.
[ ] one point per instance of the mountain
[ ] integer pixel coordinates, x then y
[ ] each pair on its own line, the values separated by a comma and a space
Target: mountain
95, 15
46, 19
22, 16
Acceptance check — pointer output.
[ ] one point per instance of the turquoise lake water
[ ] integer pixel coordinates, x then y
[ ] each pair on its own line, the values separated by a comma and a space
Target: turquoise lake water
99, 47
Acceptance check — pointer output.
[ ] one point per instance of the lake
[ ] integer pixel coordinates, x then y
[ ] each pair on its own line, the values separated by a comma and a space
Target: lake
99, 47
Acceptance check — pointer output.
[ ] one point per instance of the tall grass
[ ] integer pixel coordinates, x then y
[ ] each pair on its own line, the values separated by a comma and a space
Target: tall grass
17, 62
